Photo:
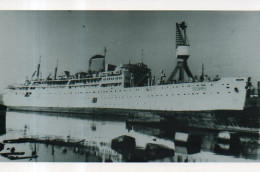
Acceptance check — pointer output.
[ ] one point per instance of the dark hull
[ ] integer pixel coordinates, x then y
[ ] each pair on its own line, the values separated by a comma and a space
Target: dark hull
247, 111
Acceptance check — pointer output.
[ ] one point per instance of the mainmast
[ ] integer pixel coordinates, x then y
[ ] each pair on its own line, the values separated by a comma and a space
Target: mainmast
38, 69
56, 69
105, 51
142, 56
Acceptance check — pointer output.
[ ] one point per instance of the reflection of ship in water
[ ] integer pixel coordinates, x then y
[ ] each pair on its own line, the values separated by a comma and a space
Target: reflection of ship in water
2, 122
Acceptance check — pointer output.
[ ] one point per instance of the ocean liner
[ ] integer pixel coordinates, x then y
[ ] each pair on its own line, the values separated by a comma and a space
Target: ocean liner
107, 88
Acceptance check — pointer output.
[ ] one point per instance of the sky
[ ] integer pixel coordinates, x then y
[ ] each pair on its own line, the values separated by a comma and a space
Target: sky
228, 43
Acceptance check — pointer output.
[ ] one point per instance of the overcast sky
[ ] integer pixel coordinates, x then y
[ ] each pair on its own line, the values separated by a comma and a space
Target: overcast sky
228, 43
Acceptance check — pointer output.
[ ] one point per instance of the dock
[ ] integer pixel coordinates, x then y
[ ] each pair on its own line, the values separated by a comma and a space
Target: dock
209, 122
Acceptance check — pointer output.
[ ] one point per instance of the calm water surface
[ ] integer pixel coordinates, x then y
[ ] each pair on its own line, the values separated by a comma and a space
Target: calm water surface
98, 131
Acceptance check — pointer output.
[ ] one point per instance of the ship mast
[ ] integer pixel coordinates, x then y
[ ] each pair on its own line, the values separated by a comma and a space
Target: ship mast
142, 55
56, 69
105, 51
182, 54
202, 73
38, 69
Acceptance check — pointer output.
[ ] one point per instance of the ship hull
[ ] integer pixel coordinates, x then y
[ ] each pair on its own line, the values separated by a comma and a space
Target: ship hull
228, 94
112, 111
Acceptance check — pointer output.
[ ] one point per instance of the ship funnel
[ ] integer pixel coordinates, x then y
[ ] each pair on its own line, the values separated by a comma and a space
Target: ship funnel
182, 54
97, 63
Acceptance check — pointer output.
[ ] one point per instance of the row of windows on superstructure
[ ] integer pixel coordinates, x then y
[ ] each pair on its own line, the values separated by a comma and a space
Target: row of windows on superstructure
137, 96
111, 85
107, 91
80, 86
147, 88
112, 78
110, 91
57, 87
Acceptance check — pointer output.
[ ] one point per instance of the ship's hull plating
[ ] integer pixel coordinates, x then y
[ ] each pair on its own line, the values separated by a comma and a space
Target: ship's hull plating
226, 94
112, 111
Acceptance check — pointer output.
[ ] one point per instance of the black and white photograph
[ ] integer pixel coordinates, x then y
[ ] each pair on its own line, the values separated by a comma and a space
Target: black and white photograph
129, 86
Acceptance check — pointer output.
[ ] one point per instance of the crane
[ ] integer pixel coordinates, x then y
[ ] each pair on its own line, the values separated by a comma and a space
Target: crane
182, 54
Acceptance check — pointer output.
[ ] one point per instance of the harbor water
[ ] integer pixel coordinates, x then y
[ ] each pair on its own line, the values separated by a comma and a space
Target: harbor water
58, 137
